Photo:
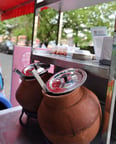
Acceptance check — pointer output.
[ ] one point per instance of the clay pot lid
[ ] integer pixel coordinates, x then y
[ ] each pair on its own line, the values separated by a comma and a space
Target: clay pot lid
41, 69
66, 80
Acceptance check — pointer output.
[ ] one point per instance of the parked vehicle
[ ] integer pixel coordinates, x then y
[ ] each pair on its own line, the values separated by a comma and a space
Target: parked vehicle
7, 46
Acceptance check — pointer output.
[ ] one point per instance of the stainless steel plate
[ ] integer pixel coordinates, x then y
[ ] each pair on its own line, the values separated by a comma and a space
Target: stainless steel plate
66, 80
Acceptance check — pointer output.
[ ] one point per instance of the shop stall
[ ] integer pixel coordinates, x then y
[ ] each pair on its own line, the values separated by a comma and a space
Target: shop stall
100, 80
100, 77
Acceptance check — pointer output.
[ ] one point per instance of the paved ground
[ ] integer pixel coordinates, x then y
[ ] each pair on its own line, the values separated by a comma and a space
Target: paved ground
6, 62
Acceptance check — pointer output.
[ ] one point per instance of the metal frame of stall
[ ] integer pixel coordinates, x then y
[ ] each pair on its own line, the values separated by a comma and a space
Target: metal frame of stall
111, 70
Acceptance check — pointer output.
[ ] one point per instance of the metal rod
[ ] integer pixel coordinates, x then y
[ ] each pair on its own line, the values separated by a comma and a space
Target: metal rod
111, 114
22, 76
34, 29
112, 77
60, 21
38, 78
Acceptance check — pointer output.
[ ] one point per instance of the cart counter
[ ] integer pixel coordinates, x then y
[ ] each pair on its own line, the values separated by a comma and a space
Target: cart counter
12, 132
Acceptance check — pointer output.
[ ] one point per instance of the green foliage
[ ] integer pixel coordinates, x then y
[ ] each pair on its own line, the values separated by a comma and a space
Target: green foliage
18, 26
83, 19
79, 21
47, 29
2, 28
24, 26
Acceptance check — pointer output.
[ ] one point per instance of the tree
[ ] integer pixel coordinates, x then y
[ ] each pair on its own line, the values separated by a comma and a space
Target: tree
6, 28
24, 26
18, 26
81, 21
47, 29
2, 28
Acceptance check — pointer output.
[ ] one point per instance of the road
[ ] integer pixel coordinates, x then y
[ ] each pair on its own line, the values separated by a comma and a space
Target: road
6, 63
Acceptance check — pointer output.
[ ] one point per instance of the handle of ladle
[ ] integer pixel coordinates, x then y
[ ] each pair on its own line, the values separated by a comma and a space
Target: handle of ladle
38, 78
20, 73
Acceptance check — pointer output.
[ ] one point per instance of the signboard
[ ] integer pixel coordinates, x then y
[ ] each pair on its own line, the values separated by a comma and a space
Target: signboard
98, 34
99, 31
21, 58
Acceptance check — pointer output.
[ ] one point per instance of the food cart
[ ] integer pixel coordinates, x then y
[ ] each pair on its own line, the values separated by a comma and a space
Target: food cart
103, 77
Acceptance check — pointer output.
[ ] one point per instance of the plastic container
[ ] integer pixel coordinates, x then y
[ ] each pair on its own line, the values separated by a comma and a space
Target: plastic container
4, 103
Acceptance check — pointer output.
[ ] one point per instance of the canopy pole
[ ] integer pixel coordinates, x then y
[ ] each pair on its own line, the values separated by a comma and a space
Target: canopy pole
60, 22
34, 30
111, 96
112, 76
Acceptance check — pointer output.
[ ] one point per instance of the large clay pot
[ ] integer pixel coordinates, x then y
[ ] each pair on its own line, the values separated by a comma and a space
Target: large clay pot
71, 118
29, 94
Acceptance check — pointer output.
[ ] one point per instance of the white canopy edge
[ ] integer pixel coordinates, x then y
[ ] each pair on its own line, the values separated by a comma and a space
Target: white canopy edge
66, 5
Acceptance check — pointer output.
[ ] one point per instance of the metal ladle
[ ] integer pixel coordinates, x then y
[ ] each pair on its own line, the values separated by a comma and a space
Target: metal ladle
39, 79
22, 76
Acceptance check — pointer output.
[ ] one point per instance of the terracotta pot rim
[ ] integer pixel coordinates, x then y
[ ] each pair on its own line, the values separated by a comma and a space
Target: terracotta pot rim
28, 79
59, 96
